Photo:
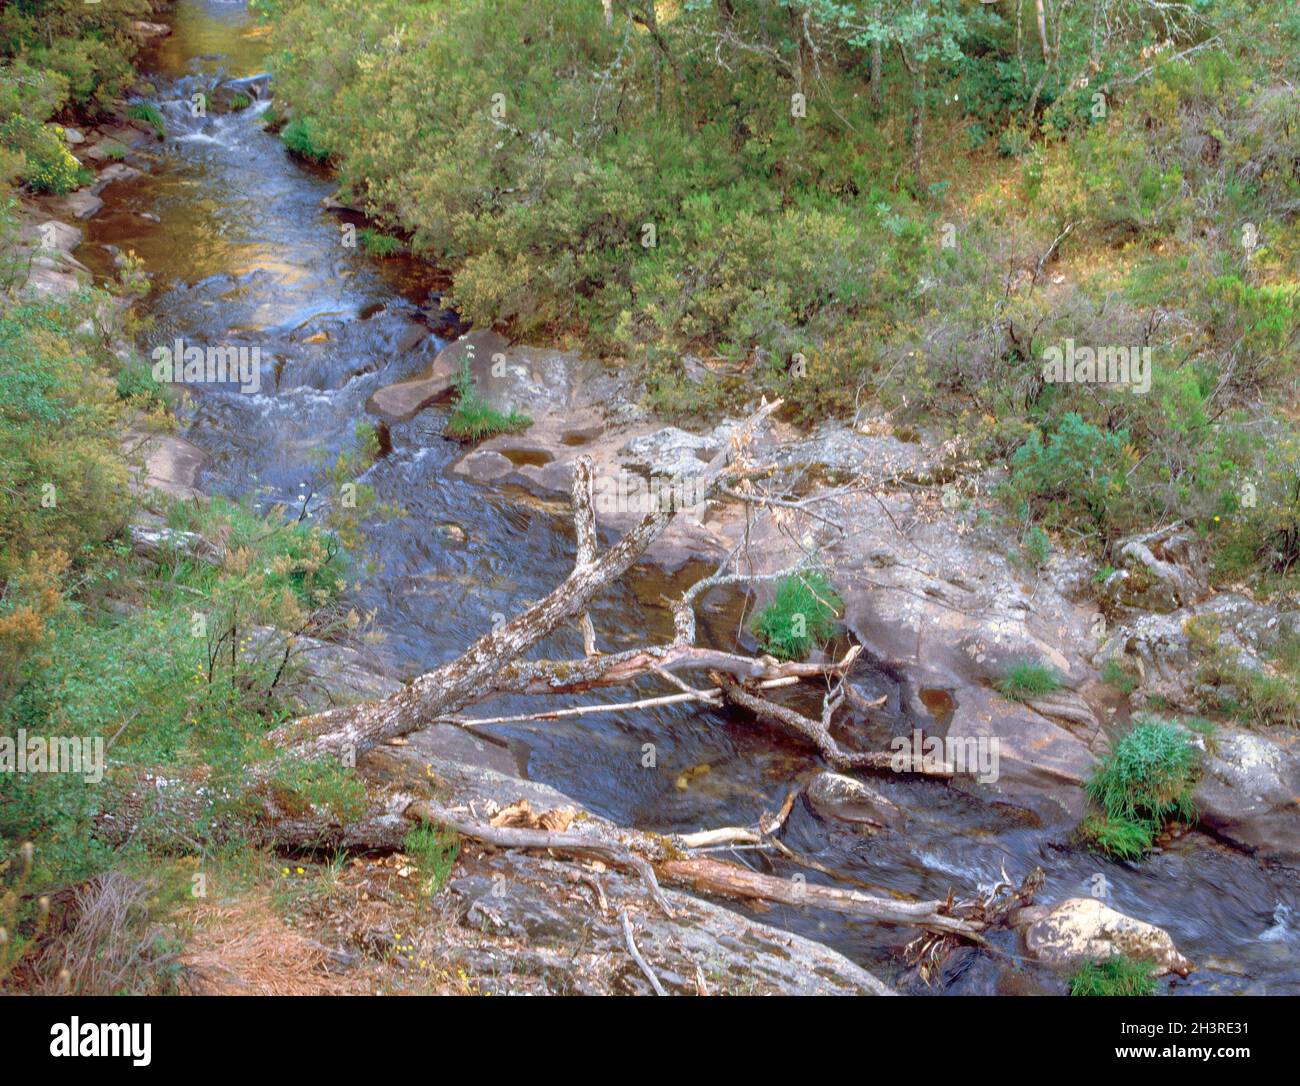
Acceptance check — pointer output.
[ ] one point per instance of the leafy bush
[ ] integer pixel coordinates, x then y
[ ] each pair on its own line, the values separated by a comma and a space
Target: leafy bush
48, 164
1077, 473
802, 614
378, 244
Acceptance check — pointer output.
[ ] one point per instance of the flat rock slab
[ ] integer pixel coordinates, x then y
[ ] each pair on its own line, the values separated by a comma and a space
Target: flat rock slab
553, 917
168, 463
81, 204
564, 934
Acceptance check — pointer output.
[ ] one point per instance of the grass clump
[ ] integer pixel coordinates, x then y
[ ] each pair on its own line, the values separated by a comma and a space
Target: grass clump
801, 614
473, 418
1144, 782
379, 244
434, 850
148, 112
1119, 976
1028, 680
302, 136
1114, 673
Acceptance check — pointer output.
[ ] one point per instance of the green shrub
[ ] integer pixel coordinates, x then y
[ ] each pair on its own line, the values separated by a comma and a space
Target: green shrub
1078, 473
378, 244
802, 614
48, 164
1117, 976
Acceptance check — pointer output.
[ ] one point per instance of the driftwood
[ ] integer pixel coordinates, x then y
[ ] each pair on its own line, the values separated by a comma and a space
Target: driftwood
655, 859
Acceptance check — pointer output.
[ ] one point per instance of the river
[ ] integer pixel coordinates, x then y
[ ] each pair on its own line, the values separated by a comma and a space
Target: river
241, 252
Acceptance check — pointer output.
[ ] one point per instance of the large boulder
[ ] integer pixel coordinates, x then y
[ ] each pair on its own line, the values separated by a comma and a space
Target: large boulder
166, 462
1083, 929
1249, 792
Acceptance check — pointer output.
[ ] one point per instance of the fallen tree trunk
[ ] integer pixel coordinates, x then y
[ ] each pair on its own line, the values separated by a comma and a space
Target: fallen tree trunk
655, 858
351, 731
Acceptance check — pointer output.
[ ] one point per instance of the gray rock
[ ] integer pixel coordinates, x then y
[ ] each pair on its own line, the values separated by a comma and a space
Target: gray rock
322, 674
118, 171
170, 463
1249, 792
400, 401
81, 204
670, 452
578, 944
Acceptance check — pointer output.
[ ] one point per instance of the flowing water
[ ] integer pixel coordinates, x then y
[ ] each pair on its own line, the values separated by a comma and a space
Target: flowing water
243, 254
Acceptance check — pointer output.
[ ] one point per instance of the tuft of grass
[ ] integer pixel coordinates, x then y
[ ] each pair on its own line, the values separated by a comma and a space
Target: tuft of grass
801, 614
1115, 674
1118, 976
379, 244
434, 850
473, 419
1028, 680
1144, 782
148, 112
1119, 838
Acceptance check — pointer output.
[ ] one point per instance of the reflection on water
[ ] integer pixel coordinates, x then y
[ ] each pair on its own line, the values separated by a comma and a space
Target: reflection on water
243, 254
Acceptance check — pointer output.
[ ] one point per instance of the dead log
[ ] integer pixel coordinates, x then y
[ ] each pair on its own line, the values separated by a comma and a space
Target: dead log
349, 732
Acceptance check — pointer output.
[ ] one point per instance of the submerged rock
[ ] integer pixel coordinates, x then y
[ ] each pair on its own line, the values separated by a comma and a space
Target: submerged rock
834, 795
81, 204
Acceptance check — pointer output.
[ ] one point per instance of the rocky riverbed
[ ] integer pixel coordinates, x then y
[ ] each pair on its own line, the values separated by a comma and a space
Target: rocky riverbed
934, 590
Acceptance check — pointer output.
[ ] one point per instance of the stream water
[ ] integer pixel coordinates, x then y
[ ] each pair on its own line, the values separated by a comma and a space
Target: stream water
242, 253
